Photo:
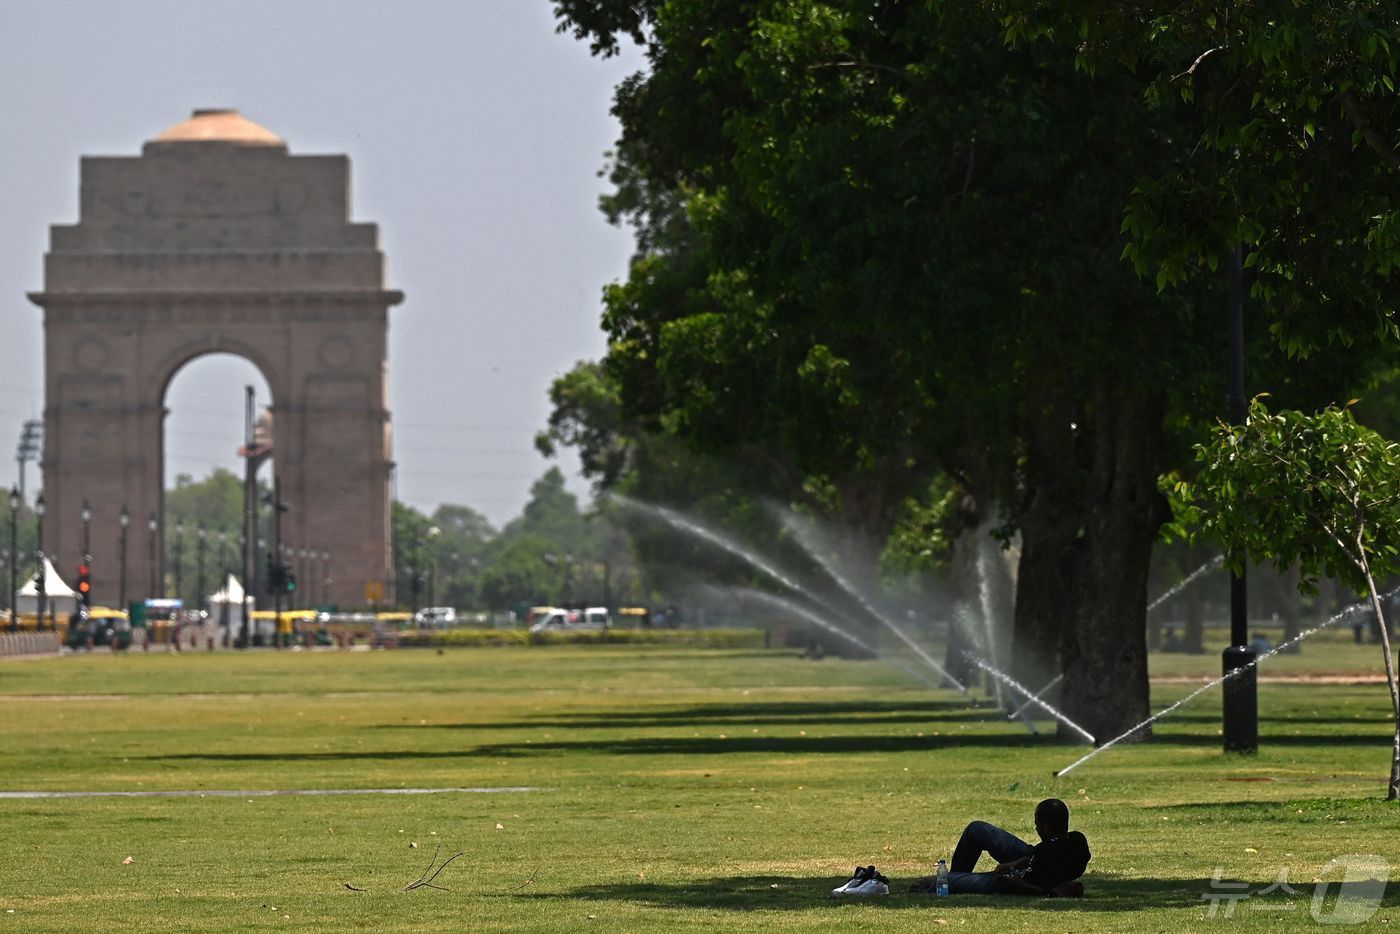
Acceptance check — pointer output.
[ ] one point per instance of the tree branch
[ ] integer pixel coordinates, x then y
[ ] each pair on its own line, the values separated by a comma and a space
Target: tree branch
851, 63
1373, 137
1196, 64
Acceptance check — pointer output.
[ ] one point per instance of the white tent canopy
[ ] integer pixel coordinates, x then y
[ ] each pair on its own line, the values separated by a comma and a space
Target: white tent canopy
232, 592
59, 598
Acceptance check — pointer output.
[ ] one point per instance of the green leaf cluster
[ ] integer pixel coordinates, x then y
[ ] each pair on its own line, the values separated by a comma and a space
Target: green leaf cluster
1319, 490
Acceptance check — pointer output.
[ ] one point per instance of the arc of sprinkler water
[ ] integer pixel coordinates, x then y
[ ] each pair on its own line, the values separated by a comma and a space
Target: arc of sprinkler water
720, 541
792, 606
1185, 582
1282, 646
984, 593
831, 571
812, 616
1038, 695
1030, 698
676, 520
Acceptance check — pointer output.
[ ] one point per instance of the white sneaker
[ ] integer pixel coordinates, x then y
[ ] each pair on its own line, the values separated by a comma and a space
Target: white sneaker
876, 886
863, 874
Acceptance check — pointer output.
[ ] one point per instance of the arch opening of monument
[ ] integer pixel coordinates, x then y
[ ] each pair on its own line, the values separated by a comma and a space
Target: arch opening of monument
216, 240
205, 473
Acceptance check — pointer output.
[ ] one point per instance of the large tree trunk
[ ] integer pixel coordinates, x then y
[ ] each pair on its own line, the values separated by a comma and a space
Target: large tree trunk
1087, 541
1105, 652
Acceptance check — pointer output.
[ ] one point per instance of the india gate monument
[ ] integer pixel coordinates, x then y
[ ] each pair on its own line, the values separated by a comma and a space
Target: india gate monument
217, 240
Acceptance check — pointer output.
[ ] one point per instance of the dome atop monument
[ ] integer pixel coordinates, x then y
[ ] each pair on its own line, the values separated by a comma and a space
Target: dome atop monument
219, 125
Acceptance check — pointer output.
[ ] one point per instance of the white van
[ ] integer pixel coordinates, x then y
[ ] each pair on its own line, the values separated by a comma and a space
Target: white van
596, 617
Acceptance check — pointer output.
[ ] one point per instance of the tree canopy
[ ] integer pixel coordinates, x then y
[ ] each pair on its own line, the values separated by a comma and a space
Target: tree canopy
880, 240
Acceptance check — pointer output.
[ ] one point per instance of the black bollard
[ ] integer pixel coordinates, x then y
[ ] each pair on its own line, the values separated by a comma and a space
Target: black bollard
1241, 700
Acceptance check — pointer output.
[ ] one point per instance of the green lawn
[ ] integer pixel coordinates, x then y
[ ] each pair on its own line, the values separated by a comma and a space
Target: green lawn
676, 788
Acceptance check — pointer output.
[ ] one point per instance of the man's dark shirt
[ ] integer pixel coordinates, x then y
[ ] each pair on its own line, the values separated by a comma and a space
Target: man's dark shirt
1059, 859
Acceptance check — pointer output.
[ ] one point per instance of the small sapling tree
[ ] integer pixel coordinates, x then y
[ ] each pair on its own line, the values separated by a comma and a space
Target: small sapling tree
1317, 490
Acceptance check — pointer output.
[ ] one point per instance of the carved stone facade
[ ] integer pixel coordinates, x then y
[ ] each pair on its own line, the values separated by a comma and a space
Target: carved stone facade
217, 240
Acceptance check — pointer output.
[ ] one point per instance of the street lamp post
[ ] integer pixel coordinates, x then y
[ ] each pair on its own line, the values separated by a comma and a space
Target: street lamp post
151, 526
14, 556
87, 552
303, 575
125, 520
417, 585
569, 580
41, 582
179, 557
1241, 692
199, 570
224, 623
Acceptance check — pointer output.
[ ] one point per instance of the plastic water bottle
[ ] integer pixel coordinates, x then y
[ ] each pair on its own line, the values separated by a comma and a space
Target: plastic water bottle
942, 888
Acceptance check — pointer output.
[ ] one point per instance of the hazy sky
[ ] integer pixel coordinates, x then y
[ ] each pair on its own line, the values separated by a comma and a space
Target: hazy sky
475, 135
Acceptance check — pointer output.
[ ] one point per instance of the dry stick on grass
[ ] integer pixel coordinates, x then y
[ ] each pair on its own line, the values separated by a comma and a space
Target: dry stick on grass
425, 881
530, 880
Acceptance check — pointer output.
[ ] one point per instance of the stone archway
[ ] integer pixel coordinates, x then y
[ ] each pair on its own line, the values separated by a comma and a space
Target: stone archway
217, 240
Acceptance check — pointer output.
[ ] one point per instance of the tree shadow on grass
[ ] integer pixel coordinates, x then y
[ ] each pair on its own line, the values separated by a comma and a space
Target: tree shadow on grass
1173, 738
860, 744
679, 746
1382, 719
1103, 893
767, 713
1288, 809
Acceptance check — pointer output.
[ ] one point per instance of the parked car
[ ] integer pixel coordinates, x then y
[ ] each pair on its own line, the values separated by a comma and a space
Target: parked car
435, 617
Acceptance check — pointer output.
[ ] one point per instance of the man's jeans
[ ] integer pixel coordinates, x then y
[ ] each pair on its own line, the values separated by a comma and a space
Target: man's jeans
977, 838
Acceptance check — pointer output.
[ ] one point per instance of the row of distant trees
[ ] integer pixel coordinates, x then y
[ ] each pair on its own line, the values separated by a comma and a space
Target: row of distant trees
553, 553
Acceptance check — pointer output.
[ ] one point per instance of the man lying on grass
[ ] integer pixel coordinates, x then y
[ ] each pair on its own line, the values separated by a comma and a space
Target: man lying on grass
1049, 868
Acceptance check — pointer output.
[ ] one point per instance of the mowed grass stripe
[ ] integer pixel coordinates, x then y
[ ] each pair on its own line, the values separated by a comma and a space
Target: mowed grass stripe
689, 790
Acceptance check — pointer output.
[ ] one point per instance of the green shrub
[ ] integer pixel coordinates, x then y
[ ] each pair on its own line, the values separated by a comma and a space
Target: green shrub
709, 638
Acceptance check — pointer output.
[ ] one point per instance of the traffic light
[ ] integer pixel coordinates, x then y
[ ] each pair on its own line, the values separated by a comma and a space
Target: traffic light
289, 578
85, 584
276, 577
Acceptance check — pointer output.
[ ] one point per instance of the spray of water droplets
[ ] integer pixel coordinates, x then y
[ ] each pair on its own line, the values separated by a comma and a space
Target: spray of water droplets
1282, 646
835, 574
1030, 698
1208, 566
